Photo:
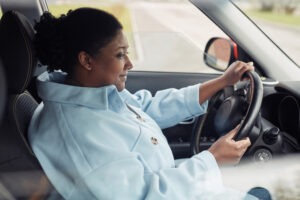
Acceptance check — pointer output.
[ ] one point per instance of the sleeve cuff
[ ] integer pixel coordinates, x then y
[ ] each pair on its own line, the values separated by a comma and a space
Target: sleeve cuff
209, 159
192, 101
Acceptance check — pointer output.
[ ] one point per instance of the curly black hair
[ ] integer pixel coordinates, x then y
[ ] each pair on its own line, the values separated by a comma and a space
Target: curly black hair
59, 40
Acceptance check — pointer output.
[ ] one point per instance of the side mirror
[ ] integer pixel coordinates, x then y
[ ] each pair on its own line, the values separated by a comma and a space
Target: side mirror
220, 53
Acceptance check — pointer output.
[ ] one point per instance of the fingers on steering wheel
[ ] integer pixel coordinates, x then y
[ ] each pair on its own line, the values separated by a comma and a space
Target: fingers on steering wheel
233, 132
242, 68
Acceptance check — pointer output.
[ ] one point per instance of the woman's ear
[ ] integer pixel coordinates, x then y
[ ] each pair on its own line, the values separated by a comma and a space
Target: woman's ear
84, 60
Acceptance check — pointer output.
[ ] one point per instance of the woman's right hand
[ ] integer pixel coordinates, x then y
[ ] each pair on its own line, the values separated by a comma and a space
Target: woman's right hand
228, 151
235, 72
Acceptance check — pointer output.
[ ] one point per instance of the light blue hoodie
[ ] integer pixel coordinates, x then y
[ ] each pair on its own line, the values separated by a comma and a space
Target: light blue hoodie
98, 143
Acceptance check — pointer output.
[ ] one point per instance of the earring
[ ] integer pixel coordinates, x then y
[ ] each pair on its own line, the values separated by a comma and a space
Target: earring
89, 67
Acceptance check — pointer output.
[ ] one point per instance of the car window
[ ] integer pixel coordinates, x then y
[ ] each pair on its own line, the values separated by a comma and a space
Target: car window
280, 20
163, 36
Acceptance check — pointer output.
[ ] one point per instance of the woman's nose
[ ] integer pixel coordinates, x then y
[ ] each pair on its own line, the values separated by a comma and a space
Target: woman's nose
128, 64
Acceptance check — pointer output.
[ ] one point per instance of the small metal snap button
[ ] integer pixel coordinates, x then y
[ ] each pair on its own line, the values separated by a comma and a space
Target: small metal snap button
154, 140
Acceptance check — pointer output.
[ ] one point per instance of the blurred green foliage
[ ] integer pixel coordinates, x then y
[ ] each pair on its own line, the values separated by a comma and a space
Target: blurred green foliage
281, 18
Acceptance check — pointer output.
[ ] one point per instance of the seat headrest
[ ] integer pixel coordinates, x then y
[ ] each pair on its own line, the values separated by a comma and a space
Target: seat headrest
16, 50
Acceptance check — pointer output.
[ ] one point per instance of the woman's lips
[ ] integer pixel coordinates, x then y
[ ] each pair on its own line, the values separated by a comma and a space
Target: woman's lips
123, 77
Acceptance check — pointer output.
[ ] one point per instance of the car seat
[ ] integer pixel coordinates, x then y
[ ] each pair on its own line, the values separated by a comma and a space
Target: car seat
21, 175
2, 91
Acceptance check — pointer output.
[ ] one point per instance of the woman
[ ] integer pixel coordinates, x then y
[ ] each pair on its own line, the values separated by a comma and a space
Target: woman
95, 140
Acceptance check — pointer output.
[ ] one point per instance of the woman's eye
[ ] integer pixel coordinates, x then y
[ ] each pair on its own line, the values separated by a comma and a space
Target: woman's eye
122, 55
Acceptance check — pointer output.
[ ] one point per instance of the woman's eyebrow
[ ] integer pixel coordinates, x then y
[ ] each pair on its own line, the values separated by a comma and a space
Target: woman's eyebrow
123, 47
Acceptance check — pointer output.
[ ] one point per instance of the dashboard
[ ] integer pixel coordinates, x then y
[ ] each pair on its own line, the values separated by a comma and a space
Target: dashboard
281, 107
277, 128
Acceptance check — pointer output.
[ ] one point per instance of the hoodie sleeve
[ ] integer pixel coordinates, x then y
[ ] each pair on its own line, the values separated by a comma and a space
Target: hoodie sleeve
169, 107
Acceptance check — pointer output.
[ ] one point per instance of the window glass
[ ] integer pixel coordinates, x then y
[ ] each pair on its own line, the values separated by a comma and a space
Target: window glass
163, 35
280, 20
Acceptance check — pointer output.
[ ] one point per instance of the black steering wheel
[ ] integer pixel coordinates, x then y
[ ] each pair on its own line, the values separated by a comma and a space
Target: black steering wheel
239, 104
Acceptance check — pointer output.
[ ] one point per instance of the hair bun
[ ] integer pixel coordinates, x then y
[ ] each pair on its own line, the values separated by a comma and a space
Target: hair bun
49, 41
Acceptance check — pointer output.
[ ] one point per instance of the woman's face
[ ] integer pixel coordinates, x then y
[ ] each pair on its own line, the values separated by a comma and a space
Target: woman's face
111, 64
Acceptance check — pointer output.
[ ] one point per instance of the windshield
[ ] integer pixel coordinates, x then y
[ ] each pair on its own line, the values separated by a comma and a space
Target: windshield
280, 20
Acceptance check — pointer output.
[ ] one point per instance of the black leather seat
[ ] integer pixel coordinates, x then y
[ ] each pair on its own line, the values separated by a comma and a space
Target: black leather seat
2, 91
20, 172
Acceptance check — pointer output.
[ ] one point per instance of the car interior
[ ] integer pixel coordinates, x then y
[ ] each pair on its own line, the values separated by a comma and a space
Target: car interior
21, 176
2, 91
